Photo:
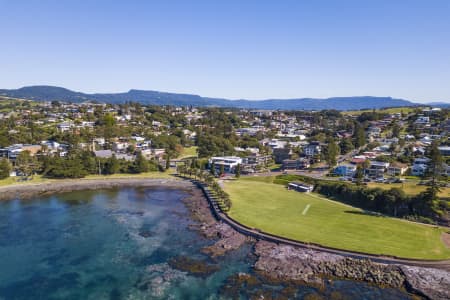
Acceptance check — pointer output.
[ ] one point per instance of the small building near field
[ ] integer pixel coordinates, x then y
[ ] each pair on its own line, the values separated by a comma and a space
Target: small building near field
300, 187
397, 169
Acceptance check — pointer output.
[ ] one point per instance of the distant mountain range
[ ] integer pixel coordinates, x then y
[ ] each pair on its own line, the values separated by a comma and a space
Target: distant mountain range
51, 93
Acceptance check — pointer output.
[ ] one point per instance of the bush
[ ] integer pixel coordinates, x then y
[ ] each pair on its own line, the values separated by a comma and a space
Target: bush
5, 168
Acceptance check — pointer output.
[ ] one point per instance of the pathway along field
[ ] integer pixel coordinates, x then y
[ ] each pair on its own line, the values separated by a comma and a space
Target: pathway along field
273, 209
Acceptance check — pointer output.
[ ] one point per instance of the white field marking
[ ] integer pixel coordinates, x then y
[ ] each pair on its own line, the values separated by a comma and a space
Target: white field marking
306, 209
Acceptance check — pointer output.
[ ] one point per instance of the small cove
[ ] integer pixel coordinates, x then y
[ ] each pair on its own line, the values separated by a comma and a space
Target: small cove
121, 244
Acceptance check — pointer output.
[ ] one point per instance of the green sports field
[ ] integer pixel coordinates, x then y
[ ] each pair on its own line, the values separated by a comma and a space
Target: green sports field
311, 218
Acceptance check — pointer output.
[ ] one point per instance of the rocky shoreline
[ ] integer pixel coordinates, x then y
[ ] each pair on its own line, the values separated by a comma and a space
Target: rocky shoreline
26, 191
295, 264
284, 262
228, 238
276, 261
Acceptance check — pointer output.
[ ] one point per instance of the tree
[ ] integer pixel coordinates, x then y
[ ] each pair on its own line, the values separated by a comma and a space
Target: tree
396, 129
212, 169
222, 170
359, 175
238, 171
67, 167
112, 165
167, 161
25, 163
359, 135
5, 168
140, 165
346, 146
332, 150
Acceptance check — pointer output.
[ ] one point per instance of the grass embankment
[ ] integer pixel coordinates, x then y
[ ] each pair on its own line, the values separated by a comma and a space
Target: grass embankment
17, 180
188, 152
39, 179
410, 188
311, 218
149, 175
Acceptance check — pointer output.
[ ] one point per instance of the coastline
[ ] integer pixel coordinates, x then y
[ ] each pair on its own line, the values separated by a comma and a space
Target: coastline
279, 261
29, 190
274, 260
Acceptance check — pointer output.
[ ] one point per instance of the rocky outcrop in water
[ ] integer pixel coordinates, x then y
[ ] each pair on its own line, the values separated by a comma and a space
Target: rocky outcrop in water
432, 283
192, 266
285, 262
158, 280
229, 239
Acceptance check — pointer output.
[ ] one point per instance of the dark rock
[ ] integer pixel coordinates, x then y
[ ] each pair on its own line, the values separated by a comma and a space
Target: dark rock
192, 266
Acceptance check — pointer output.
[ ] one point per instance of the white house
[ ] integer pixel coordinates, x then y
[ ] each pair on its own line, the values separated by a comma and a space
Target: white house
397, 169
229, 163
300, 187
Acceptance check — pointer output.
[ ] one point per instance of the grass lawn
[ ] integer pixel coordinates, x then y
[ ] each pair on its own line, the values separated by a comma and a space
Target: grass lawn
312, 218
188, 152
410, 188
150, 175
40, 179
16, 180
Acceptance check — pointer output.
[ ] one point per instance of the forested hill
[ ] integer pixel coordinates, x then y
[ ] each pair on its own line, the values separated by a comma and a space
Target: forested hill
51, 93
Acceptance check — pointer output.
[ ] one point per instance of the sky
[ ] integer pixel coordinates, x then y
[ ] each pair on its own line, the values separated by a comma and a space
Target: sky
252, 49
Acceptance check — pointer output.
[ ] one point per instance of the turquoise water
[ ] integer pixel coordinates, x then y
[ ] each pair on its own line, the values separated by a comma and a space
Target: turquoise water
120, 244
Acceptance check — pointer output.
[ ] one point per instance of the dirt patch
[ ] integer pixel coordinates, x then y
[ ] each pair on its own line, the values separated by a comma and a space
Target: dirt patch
446, 239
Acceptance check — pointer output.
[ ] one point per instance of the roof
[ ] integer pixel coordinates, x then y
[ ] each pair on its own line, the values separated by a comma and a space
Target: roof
103, 153
396, 164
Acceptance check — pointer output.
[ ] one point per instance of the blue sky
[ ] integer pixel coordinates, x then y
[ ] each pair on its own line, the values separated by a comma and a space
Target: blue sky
234, 49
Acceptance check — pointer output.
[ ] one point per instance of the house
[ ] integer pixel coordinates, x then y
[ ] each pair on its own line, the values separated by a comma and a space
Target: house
138, 138
397, 169
421, 161
289, 164
103, 153
256, 159
445, 150
229, 163
312, 149
100, 141
374, 131
159, 152
120, 146
422, 120
358, 159
13, 151
275, 143
377, 169
300, 187
418, 169
295, 164
65, 126
281, 154
345, 170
